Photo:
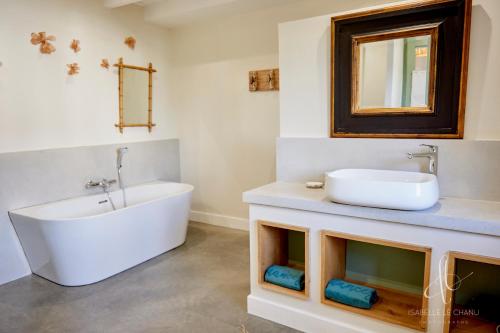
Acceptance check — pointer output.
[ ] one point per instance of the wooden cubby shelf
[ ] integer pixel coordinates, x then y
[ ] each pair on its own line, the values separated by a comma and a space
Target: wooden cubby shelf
470, 277
273, 249
393, 305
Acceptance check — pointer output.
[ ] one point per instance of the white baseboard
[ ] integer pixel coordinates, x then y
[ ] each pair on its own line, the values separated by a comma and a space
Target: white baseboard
296, 318
219, 220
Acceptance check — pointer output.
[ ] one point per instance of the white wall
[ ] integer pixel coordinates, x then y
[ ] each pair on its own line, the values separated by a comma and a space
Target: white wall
42, 107
227, 134
305, 53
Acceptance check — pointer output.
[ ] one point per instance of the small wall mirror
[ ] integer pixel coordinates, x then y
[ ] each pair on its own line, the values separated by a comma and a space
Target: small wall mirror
135, 96
394, 72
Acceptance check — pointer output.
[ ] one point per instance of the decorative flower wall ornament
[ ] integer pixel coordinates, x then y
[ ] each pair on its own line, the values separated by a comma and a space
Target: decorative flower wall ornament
130, 41
73, 68
75, 45
44, 40
105, 63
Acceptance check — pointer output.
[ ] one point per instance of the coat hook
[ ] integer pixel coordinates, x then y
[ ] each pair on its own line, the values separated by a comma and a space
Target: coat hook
270, 82
253, 81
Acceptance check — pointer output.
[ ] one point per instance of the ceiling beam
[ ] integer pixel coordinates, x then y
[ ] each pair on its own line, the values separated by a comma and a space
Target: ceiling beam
160, 11
119, 3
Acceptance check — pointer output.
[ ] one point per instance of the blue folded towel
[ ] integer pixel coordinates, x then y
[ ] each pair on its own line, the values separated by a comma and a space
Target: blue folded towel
285, 277
351, 294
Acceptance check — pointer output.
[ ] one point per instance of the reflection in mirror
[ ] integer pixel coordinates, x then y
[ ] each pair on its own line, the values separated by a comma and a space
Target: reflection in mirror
394, 72
135, 96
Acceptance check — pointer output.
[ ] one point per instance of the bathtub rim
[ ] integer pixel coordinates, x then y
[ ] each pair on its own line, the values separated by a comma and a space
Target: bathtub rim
17, 212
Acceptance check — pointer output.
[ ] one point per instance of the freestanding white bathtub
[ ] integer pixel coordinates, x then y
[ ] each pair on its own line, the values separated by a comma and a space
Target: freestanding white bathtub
82, 240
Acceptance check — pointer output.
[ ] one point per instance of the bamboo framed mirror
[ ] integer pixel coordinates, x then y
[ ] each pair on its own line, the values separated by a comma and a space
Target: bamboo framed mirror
135, 95
401, 71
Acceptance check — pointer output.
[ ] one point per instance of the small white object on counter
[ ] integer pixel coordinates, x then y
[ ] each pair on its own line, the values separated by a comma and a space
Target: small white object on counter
315, 185
383, 188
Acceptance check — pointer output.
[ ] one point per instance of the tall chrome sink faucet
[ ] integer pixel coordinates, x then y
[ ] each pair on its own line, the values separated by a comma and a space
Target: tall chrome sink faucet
432, 155
119, 156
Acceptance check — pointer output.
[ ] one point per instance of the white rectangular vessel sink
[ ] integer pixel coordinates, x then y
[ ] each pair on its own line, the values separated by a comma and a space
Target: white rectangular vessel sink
383, 188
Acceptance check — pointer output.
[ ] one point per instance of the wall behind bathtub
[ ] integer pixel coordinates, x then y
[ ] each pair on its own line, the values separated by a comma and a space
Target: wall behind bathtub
41, 107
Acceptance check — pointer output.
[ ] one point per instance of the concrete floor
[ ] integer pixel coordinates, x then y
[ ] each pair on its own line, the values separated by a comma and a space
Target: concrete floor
198, 287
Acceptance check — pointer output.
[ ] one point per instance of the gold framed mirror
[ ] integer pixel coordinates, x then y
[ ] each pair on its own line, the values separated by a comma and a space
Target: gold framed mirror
394, 72
401, 71
135, 96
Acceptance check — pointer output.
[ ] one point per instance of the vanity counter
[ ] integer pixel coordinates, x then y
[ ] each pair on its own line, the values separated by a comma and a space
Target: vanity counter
472, 216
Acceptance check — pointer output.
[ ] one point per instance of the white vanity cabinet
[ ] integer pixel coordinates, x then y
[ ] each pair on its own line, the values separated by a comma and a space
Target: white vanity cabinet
431, 245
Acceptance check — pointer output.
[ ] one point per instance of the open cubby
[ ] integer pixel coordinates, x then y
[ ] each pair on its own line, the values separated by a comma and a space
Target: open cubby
473, 294
274, 249
395, 304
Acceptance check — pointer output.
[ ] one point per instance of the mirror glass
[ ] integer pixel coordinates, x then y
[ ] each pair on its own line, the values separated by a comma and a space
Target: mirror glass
135, 96
394, 73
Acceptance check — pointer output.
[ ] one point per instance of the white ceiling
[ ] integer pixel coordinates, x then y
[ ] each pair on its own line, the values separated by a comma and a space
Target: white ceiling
171, 13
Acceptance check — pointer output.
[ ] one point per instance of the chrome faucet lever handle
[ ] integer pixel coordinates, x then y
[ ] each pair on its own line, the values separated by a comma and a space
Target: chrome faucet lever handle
432, 147
91, 184
110, 182
107, 183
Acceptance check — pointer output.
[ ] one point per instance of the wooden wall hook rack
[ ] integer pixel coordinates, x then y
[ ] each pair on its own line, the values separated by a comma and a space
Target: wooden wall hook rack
264, 80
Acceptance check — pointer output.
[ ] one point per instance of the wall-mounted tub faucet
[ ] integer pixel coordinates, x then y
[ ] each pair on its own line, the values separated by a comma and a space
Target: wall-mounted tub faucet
105, 185
432, 155
119, 156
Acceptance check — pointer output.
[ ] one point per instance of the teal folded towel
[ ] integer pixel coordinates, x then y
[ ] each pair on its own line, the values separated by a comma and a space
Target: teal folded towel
285, 277
351, 294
